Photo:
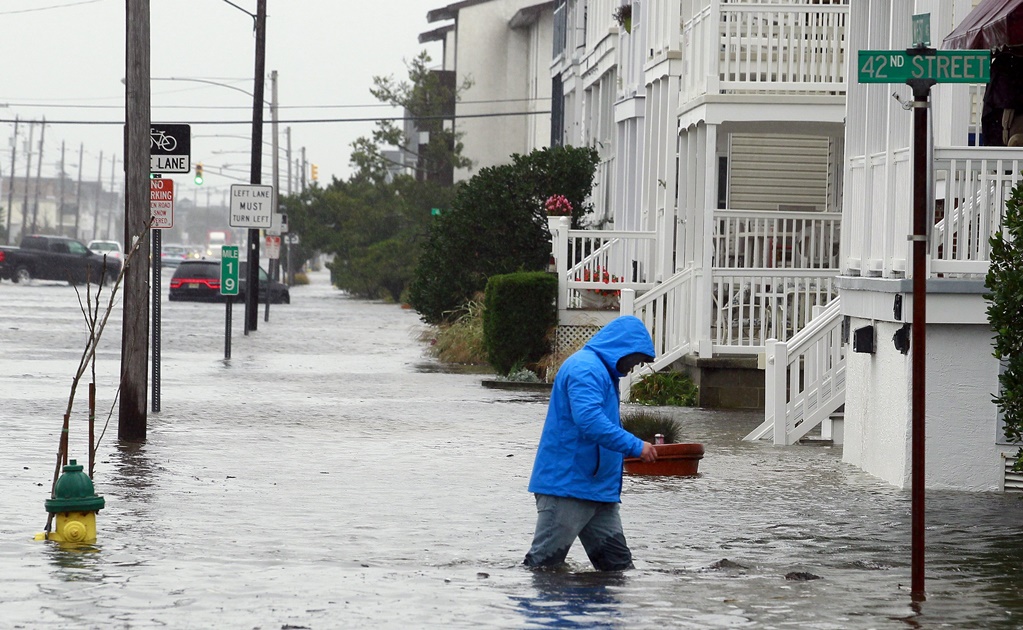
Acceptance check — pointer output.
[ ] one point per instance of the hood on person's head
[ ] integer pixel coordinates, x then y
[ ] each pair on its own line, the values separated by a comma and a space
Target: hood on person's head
622, 336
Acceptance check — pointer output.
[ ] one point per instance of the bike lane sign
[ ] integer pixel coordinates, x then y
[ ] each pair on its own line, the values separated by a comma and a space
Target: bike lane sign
170, 148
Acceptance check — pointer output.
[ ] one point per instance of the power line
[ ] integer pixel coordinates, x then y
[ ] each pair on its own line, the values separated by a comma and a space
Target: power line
297, 121
55, 6
51, 105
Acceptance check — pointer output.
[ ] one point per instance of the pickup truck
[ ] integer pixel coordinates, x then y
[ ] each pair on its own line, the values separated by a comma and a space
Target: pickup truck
56, 258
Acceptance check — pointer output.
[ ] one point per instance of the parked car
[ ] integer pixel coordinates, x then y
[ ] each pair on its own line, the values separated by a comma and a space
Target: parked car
199, 281
58, 258
112, 249
172, 255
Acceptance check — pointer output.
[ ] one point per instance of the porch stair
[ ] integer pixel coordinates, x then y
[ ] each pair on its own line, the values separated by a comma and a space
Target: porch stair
804, 380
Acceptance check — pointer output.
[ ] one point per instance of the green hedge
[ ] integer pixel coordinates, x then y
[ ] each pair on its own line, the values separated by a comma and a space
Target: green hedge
520, 309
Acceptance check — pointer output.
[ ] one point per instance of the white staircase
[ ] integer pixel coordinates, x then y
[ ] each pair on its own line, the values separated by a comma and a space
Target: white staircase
804, 380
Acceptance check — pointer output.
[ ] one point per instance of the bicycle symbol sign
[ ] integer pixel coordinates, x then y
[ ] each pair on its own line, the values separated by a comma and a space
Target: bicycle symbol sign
170, 148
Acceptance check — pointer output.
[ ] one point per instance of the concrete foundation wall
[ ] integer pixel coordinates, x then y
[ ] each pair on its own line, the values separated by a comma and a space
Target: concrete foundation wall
961, 420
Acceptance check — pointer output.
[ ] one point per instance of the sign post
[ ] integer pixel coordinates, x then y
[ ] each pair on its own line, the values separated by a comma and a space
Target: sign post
921, 68
161, 216
228, 288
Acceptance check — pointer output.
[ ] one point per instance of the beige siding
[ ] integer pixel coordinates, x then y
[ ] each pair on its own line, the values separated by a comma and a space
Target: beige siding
776, 172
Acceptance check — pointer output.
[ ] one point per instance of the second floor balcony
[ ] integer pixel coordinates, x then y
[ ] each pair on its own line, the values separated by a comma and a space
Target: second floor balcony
758, 47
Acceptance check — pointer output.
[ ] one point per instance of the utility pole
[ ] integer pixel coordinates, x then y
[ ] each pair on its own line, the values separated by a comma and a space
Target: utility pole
60, 203
78, 189
99, 196
39, 174
275, 263
28, 173
288, 131
131, 426
303, 169
109, 234
10, 189
252, 288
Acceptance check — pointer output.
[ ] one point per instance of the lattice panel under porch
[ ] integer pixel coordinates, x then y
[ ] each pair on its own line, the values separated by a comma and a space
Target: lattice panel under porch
568, 339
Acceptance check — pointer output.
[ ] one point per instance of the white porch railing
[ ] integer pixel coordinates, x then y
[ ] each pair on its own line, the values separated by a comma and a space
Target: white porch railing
599, 260
769, 270
805, 380
972, 186
794, 47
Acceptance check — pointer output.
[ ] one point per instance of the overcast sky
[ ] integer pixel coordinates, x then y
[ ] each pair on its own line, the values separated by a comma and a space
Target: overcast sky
64, 59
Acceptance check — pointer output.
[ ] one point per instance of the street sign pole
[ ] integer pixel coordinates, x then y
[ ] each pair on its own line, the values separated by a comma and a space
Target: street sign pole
921, 68
921, 107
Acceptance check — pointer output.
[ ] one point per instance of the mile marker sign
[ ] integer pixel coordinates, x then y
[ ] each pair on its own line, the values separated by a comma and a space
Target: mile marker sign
229, 270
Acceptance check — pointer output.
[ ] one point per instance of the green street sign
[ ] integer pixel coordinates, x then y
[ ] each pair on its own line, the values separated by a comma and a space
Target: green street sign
922, 29
229, 270
945, 66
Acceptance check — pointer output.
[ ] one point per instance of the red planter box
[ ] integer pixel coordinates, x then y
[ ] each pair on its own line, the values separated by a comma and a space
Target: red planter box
672, 459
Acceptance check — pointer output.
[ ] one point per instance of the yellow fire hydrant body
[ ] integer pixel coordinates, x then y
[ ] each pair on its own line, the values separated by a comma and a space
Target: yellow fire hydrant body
75, 504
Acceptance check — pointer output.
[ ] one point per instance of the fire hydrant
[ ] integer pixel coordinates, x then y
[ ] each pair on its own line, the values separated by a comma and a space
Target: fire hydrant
75, 503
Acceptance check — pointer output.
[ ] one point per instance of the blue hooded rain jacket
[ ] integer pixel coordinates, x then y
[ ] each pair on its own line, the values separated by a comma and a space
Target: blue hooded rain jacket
583, 443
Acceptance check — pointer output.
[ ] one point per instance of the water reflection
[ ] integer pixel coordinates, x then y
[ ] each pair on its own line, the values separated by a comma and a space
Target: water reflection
566, 599
75, 562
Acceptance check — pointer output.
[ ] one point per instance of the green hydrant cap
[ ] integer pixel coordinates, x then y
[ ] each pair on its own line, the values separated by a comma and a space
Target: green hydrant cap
74, 492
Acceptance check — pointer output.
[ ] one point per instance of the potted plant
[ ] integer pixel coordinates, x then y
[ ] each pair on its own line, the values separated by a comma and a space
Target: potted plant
673, 458
558, 206
623, 15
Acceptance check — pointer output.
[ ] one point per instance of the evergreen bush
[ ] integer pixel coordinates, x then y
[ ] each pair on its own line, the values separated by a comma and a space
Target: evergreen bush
665, 389
1005, 282
519, 312
497, 225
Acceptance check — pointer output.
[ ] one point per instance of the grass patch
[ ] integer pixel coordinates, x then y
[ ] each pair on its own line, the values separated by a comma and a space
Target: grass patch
462, 341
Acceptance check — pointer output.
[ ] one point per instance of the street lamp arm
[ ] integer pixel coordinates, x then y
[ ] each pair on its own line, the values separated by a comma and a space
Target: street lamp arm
208, 82
251, 15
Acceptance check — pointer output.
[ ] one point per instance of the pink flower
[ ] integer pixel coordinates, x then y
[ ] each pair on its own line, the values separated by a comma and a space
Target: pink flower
558, 206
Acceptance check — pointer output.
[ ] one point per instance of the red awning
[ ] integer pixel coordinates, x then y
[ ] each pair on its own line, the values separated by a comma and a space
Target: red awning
992, 25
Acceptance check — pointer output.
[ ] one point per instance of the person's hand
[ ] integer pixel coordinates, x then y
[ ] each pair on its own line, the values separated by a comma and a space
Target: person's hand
648, 454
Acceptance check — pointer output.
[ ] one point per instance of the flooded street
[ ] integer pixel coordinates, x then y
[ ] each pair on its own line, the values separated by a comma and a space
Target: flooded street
330, 475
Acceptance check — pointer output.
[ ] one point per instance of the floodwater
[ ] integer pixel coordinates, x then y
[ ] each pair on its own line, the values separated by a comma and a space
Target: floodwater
330, 475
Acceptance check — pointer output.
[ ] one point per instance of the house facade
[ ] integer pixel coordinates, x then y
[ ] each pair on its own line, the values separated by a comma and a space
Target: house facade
503, 47
753, 202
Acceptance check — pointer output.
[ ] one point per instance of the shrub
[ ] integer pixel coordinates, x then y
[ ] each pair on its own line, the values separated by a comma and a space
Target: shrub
1005, 302
645, 425
519, 312
301, 278
665, 388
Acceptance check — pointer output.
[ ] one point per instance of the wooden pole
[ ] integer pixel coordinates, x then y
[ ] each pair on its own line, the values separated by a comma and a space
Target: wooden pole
135, 318
256, 168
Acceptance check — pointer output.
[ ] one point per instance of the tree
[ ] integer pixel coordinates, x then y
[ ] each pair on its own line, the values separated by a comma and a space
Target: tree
497, 225
428, 99
1005, 282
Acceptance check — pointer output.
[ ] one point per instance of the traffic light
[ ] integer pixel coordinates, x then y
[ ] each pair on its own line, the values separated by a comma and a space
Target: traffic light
315, 173
198, 174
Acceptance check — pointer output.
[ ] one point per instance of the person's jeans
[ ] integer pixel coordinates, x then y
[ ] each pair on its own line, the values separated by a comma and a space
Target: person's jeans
560, 520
